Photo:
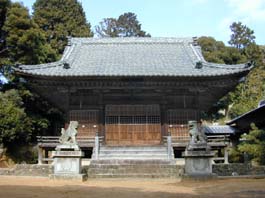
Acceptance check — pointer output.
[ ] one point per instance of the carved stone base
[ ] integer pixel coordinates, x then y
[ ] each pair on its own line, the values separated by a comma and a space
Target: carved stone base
198, 164
67, 164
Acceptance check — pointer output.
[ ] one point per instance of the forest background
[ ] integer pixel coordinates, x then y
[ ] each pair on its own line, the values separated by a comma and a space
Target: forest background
40, 37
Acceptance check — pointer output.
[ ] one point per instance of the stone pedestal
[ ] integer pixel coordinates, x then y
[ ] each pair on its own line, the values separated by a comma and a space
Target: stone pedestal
198, 162
67, 163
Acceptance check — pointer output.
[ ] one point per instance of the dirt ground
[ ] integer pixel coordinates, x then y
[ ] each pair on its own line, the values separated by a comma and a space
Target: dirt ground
27, 187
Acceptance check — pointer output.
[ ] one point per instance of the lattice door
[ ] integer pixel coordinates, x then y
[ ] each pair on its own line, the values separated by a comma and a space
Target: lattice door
132, 124
88, 121
177, 120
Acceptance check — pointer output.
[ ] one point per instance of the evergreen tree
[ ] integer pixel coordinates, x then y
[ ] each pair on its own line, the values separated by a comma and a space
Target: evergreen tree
60, 19
247, 94
127, 25
14, 123
211, 49
4, 5
241, 36
25, 42
254, 144
107, 28
217, 52
25, 115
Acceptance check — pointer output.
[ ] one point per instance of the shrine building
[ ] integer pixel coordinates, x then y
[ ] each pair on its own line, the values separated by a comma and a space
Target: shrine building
133, 91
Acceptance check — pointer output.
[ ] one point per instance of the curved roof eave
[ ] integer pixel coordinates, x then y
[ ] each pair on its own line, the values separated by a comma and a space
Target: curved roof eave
234, 73
172, 57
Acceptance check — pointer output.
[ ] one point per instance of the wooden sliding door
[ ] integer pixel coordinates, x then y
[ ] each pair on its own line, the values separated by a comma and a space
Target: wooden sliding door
132, 124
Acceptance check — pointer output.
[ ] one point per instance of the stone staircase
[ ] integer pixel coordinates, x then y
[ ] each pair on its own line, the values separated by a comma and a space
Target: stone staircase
133, 162
133, 153
133, 169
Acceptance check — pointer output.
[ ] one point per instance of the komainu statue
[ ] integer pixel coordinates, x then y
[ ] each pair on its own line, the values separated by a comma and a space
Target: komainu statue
197, 136
68, 136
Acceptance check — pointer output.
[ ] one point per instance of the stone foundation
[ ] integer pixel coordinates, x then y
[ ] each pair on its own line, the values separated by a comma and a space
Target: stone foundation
67, 165
133, 169
76, 177
129, 169
28, 170
198, 162
237, 169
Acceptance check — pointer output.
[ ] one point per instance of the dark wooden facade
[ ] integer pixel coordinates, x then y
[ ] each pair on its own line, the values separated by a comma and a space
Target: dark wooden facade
133, 91
133, 111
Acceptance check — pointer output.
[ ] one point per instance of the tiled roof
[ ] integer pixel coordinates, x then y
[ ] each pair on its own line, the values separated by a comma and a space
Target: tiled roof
132, 57
255, 116
219, 129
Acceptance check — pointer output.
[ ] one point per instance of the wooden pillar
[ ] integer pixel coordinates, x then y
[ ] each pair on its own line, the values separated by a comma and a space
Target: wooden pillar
101, 114
226, 155
102, 121
169, 146
40, 155
163, 115
96, 146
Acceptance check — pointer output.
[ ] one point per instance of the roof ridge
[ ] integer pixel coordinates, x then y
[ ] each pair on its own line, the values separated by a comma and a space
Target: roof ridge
130, 40
132, 58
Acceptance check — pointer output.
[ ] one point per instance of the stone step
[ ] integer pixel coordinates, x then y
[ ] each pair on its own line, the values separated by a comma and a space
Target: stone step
133, 161
133, 176
132, 152
118, 166
133, 157
156, 169
133, 170
133, 148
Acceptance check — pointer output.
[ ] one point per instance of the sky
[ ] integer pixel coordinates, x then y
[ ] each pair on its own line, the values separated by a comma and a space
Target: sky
3, 80
181, 18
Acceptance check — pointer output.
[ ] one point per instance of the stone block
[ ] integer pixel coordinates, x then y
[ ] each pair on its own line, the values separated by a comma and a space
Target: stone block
67, 165
198, 165
75, 177
132, 169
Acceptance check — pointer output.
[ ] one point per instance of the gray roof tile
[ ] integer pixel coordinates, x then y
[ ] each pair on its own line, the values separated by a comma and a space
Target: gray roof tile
131, 57
219, 129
